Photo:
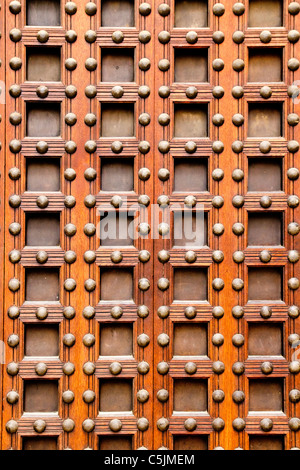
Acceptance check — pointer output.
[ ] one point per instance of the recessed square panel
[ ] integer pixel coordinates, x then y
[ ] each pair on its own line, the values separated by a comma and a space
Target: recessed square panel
115, 442
43, 12
265, 339
116, 229
191, 65
275, 442
185, 442
265, 65
41, 396
42, 229
117, 13
43, 166
190, 175
265, 174
116, 284
115, 395
265, 13
191, 120
191, 14
264, 229
117, 65
42, 284
265, 284
265, 120
117, 120
43, 120
266, 395
43, 64
190, 339
190, 284
117, 174
190, 229
116, 339
190, 395
39, 443
42, 340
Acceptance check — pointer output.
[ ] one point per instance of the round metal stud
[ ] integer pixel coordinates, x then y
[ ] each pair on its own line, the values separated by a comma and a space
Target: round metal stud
190, 424
294, 396
293, 283
144, 228
293, 311
164, 146
218, 284
15, 63
218, 229
90, 91
265, 36
13, 340
14, 285
164, 9
265, 256
70, 8
294, 367
39, 425
68, 368
12, 368
190, 147
218, 92
164, 65
293, 228
15, 146
163, 395
238, 368
238, 37
238, 228
238, 340
217, 202
293, 64
90, 36
190, 368
190, 256
11, 426
266, 368
293, 339
42, 201
218, 367
69, 340
15, 91
238, 9
115, 368
69, 312
238, 119
163, 311
143, 368
238, 424
238, 175
88, 425
14, 256
217, 174
145, 9
164, 91
91, 8
15, 7
116, 312
13, 312
68, 425
163, 340
144, 64
218, 312
41, 313
144, 174
266, 92
144, 147
238, 257
238, 65
142, 396
42, 257
14, 228
12, 397
88, 312
218, 396
237, 92
15, 118
163, 284
89, 368
266, 424
71, 91
164, 119
238, 397
294, 424
218, 37
70, 257
237, 146
218, 146
42, 91
294, 8
218, 119
218, 339
143, 311
218, 9
218, 424
191, 92
218, 65
144, 91
43, 36
116, 201
162, 368
41, 368
164, 37
144, 284
70, 285
14, 173
293, 256
191, 37
70, 147
90, 285
142, 424
143, 340
293, 201
265, 312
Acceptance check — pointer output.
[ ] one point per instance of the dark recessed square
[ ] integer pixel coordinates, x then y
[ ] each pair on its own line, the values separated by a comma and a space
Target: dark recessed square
117, 120
265, 340
43, 64
191, 14
265, 174
266, 395
265, 120
50, 167
265, 65
115, 443
116, 284
42, 340
190, 339
264, 229
42, 284
42, 229
185, 442
112, 388
39, 443
190, 284
191, 120
117, 174
190, 395
43, 12
116, 339
266, 442
43, 120
265, 283
117, 13
117, 65
191, 65
41, 396
116, 229
190, 175
190, 229
265, 13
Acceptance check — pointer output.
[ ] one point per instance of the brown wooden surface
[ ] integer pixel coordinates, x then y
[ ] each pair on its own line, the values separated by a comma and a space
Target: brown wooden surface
180, 361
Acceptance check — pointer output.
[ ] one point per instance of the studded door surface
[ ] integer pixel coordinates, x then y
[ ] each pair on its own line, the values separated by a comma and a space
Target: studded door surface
153, 337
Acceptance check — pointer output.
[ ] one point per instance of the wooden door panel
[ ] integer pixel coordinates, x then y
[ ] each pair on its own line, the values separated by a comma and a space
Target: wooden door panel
152, 336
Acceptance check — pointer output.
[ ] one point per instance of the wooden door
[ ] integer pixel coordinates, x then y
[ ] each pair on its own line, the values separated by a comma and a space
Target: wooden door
132, 112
